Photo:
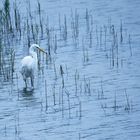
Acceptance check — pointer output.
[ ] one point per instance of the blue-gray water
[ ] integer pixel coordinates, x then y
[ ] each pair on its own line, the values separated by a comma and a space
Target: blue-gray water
23, 114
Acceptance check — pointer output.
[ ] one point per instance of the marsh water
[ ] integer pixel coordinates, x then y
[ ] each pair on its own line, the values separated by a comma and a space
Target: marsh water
87, 89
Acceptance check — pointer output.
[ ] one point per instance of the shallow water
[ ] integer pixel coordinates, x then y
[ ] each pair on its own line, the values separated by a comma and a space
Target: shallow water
92, 115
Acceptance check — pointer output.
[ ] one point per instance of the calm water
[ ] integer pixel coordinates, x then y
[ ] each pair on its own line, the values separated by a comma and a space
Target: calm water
92, 114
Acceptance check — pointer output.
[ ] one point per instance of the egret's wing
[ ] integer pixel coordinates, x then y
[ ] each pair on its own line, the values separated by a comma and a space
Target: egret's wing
27, 66
28, 61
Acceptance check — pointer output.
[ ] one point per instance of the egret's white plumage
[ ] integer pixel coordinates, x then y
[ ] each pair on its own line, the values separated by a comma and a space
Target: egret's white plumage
29, 64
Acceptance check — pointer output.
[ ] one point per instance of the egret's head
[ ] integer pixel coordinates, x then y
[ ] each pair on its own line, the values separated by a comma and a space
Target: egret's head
35, 47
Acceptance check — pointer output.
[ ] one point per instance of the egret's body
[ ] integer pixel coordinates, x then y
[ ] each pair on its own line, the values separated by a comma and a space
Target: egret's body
29, 64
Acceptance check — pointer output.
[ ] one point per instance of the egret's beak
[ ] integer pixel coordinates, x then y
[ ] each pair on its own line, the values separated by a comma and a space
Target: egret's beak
41, 50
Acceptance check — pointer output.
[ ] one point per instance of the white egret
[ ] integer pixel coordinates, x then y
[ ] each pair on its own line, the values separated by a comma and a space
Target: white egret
29, 64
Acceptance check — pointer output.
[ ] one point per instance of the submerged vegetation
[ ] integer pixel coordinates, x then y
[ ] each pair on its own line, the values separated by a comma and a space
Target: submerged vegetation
69, 88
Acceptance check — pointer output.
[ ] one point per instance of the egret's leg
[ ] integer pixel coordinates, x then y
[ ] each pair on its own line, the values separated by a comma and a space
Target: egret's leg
25, 82
32, 81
